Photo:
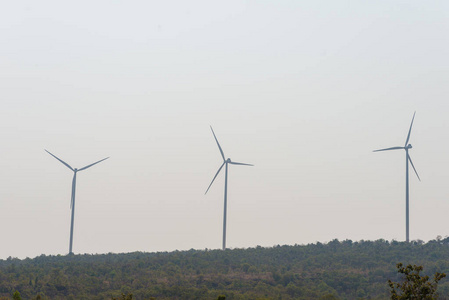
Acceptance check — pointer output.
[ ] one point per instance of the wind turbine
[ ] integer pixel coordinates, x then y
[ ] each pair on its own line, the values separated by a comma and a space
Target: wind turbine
225, 162
72, 201
408, 159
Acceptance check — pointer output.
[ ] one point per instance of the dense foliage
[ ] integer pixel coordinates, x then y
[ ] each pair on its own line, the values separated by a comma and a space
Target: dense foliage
414, 285
336, 270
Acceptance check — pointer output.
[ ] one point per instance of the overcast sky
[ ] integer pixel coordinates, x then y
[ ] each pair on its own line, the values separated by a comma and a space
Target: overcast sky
304, 90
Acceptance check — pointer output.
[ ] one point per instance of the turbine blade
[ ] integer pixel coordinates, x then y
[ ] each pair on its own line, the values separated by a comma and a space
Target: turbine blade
63, 162
392, 148
214, 177
410, 130
73, 190
221, 151
92, 164
410, 160
237, 163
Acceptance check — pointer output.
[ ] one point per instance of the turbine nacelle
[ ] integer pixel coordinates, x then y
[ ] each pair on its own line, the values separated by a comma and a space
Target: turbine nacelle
228, 160
409, 146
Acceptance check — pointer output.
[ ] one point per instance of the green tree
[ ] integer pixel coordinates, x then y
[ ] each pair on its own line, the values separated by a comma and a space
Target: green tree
414, 285
16, 296
328, 297
124, 297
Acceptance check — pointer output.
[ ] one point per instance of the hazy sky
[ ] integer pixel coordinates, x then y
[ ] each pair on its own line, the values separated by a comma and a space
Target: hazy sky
305, 90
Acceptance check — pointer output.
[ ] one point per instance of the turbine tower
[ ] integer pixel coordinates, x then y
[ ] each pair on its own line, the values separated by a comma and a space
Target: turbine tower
408, 159
72, 201
225, 162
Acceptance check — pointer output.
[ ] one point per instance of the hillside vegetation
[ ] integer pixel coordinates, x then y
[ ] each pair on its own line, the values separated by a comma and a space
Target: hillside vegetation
336, 270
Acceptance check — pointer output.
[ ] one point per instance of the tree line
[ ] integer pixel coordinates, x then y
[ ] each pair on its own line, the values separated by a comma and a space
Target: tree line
333, 270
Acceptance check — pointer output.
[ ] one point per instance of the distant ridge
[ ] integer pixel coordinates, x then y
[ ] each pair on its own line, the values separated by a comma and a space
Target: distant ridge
334, 270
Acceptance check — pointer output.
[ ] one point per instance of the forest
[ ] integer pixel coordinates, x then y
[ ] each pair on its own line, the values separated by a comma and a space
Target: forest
334, 270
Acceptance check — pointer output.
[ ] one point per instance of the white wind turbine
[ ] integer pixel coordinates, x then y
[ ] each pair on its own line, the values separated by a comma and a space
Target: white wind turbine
408, 159
225, 162
72, 201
